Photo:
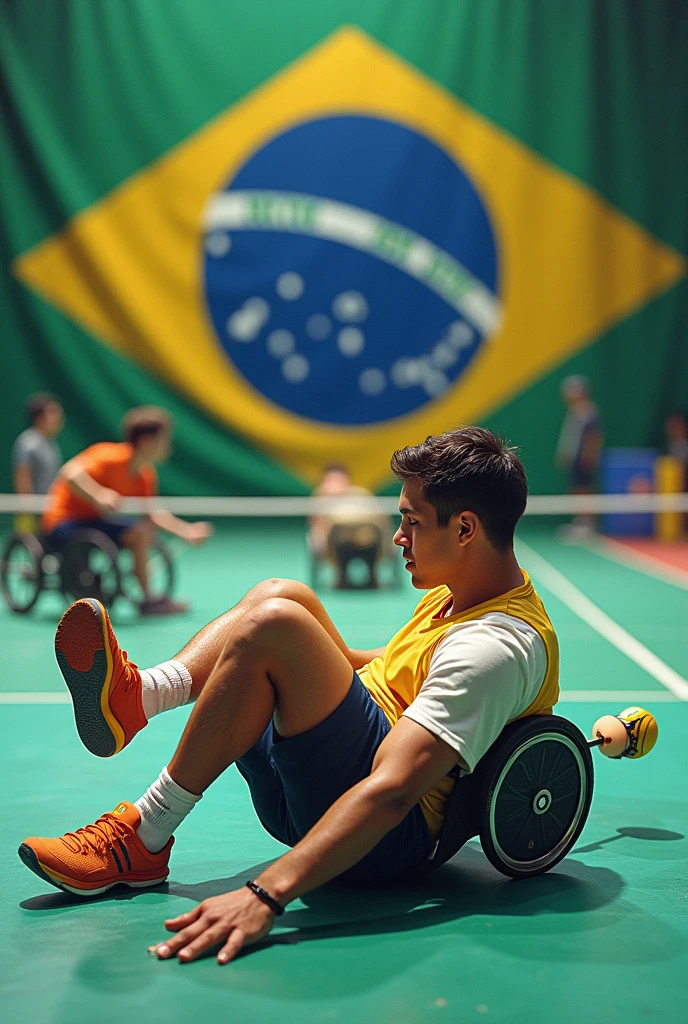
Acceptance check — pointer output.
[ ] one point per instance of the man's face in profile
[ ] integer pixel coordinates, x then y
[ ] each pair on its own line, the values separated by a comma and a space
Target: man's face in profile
431, 552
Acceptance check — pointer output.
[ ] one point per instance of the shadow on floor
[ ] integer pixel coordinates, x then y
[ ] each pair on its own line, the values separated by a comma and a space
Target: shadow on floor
438, 897
574, 914
648, 834
197, 892
464, 887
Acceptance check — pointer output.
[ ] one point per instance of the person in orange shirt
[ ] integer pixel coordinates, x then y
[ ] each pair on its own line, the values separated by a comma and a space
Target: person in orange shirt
89, 489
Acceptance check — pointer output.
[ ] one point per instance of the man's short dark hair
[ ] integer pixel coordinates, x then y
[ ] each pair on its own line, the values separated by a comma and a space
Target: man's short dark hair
37, 404
469, 469
145, 421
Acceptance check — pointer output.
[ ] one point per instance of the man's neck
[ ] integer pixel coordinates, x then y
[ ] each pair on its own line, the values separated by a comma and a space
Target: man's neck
483, 581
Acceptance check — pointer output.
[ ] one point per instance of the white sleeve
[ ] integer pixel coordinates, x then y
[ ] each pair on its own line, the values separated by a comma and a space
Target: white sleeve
483, 674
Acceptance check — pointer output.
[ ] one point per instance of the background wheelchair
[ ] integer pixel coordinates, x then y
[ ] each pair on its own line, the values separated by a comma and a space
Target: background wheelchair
358, 554
529, 796
88, 564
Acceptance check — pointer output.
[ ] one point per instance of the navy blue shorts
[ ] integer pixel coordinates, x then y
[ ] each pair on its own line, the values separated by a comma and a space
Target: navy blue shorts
294, 781
113, 528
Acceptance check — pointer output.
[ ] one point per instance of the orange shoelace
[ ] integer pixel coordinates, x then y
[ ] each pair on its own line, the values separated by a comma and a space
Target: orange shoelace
99, 837
130, 670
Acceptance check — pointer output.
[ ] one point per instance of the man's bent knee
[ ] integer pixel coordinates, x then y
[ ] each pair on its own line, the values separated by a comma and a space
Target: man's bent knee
274, 619
292, 590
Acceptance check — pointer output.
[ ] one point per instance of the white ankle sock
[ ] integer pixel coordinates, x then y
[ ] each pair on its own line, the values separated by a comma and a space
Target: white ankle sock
162, 807
165, 686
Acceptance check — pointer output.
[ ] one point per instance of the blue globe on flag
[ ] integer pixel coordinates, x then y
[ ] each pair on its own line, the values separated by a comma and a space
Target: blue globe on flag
350, 270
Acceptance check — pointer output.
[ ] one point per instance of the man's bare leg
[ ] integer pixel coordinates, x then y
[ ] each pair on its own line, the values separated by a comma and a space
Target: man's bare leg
278, 662
138, 538
275, 660
113, 700
201, 653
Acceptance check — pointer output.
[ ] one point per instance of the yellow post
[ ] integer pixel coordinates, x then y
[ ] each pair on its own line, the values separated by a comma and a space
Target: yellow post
668, 480
26, 523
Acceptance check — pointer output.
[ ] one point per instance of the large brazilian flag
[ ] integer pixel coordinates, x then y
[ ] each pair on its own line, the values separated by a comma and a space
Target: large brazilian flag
319, 231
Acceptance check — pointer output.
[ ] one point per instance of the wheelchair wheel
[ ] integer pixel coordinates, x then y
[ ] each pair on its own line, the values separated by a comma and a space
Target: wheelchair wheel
536, 795
161, 578
21, 573
89, 567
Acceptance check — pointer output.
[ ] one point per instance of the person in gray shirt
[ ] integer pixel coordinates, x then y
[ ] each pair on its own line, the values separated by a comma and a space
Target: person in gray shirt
36, 456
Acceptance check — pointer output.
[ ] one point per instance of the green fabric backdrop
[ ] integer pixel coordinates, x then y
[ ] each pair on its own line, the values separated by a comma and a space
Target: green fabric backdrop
91, 92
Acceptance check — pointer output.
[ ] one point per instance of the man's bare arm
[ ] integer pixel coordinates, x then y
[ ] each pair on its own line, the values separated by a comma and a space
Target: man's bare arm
23, 483
192, 533
104, 499
360, 658
408, 763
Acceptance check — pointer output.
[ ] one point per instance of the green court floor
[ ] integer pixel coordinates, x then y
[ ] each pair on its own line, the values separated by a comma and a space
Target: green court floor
603, 934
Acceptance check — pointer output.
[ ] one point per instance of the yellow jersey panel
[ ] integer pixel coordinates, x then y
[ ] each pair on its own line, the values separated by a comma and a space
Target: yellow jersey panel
395, 680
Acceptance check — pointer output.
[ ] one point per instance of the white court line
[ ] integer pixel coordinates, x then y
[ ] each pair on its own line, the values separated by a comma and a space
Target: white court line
630, 697
589, 612
35, 698
641, 697
637, 560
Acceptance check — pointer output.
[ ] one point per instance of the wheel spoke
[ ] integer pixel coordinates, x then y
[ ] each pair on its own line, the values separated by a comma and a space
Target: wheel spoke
554, 818
542, 775
557, 751
521, 812
522, 763
555, 778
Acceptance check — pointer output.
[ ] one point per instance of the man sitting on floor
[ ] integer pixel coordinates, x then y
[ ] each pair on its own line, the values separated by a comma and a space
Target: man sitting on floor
346, 752
89, 489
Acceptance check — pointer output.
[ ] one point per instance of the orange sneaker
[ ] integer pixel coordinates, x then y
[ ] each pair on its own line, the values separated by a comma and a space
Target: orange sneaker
105, 686
93, 859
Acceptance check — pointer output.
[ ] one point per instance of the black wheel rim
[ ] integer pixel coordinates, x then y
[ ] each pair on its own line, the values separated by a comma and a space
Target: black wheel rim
160, 575
89, 571
21, 576
537, 802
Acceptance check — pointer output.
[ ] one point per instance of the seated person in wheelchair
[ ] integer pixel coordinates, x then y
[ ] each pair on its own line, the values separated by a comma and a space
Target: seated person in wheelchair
89, 489
354, 528
346, 752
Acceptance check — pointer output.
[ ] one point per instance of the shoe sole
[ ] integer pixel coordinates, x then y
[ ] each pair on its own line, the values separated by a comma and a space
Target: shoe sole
85, 661
28, 856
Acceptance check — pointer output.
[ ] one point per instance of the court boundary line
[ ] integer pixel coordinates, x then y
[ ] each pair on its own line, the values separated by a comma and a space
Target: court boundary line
581, 605
653, 567
35, 697
575, 696
641, 697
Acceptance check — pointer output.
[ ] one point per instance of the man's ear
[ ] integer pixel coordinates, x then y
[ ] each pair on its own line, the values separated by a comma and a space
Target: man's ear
467, 524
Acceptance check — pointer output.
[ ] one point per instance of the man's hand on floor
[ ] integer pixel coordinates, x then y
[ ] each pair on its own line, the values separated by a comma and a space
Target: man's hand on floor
234, 919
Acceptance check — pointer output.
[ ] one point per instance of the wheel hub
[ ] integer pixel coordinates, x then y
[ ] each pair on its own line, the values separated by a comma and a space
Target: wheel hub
542, 801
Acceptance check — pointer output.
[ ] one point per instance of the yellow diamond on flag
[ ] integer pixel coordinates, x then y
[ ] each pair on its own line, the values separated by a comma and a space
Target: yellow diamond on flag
347, 260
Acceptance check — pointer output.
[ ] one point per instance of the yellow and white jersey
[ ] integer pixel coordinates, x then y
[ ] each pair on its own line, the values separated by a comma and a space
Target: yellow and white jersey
463, 677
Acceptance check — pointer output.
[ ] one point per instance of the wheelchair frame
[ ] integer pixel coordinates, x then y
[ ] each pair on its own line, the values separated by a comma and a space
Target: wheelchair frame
528, 798
86, 565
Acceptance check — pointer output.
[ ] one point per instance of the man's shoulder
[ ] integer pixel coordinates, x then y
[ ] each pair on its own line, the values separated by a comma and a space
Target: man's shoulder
27, 440
106, 451
493, 640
